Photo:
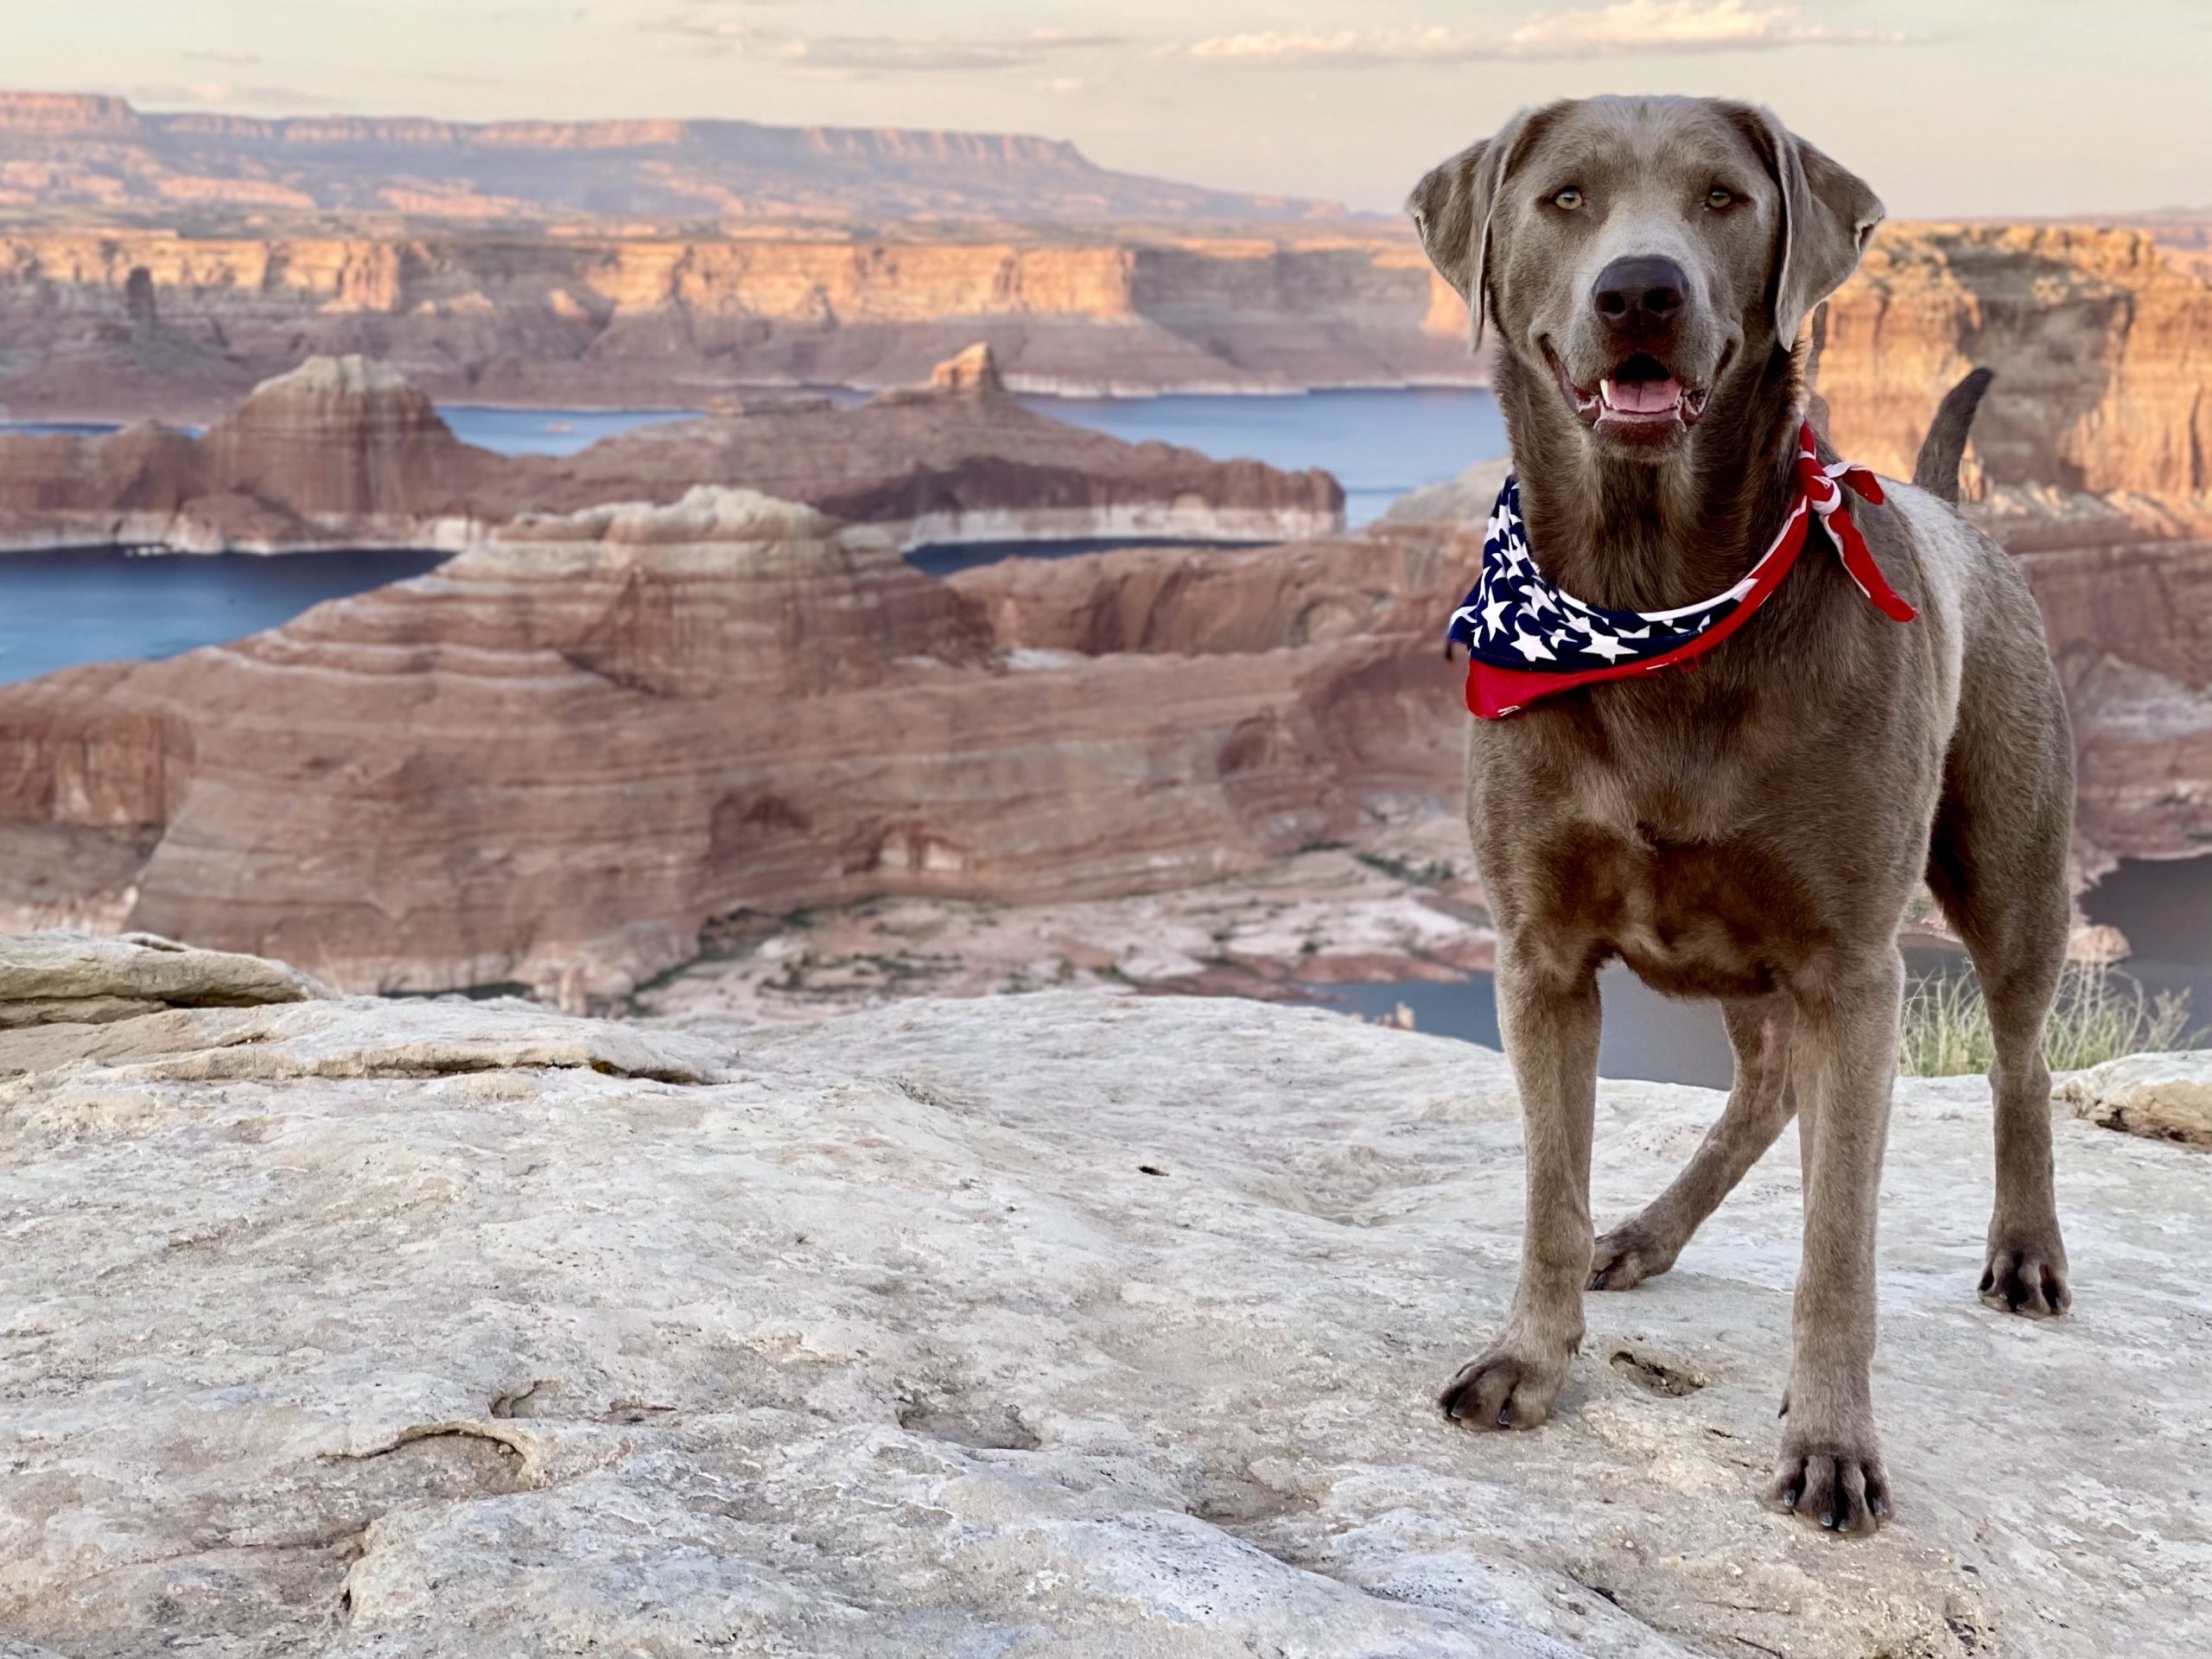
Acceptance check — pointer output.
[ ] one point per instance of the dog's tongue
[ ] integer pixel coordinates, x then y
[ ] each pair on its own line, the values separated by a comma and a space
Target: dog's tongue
1646, 397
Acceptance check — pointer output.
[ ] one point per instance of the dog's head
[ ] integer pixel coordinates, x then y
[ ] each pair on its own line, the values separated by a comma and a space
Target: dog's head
1647, 256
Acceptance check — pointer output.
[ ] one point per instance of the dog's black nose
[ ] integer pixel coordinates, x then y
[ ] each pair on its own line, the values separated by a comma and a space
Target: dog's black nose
1640, 296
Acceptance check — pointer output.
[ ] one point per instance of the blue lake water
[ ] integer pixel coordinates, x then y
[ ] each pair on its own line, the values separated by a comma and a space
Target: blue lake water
2165, 907
90, 604
1379, 443
94, 604
1645, 1035
1657, 1039
2162, 905
547, 431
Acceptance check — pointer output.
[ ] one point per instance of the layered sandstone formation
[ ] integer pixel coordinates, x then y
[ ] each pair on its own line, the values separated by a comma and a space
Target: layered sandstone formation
1069, 1324
2101, 342
345, 451
2097, 336
553, 761
2128, 609
127, 322
961, 461
563, 757
863, 257
2131, 626
556, 761
88, 151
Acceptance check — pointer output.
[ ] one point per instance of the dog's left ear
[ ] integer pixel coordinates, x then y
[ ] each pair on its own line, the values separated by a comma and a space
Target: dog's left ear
1827, 214
1450, 208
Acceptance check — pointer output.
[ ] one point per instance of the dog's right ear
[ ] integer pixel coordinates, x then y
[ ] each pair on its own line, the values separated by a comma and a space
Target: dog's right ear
1451, 207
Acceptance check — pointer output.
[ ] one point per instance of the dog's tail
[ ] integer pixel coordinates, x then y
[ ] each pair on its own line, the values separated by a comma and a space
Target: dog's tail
1945, 445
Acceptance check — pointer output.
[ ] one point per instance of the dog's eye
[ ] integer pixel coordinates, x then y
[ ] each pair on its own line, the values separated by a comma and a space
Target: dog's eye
1570, 198
1719, 198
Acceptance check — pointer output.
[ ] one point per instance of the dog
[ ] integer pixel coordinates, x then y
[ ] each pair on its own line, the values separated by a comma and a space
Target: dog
1753, 831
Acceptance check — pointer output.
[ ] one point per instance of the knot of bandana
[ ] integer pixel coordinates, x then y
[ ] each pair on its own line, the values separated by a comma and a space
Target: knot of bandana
1527, 638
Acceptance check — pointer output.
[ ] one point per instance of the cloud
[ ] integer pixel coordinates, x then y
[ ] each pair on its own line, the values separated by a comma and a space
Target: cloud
229, 60
222, 95
842, 55
1639, 26
881, 54
1632, 28
1343, 48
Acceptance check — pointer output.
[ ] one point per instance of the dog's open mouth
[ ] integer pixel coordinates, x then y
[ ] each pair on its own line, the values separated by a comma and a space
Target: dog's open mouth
1640, 398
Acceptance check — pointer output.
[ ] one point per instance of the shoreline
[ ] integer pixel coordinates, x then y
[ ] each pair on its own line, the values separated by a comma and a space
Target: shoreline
1060, 388
997, 531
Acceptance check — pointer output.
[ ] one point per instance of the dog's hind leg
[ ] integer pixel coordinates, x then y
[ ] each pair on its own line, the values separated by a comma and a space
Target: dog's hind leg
1759, 1103
1997, 864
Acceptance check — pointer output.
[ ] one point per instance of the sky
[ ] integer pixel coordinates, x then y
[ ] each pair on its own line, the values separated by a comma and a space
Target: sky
1949, 107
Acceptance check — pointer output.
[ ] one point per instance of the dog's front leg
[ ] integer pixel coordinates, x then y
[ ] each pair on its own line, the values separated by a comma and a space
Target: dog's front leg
1846, 1056
1548, 1013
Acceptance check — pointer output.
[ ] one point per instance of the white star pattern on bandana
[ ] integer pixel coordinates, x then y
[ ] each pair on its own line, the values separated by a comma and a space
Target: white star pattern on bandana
1527, 638
1515, 617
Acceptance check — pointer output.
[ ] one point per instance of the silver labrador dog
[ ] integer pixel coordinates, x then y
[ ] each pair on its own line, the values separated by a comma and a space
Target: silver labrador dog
1752, 831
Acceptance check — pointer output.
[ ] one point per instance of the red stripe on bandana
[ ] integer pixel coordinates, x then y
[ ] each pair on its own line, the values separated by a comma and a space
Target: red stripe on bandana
1494, 693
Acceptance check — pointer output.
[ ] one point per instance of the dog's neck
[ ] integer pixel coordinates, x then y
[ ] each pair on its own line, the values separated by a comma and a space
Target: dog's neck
1632, 535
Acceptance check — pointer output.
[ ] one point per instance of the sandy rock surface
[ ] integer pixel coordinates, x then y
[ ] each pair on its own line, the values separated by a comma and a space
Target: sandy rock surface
59, 976
1328, 916
2165, 1096
1071, 1323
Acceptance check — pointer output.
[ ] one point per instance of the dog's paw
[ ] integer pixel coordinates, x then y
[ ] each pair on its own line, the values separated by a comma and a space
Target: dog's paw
1835, 1483
1503, 1388
1627, 1256
2027, 1275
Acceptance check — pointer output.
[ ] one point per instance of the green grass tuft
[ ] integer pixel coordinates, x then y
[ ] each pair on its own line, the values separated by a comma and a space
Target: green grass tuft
2100, 1014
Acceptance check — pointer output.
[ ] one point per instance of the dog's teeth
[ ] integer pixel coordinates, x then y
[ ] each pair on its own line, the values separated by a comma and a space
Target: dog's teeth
1606, 392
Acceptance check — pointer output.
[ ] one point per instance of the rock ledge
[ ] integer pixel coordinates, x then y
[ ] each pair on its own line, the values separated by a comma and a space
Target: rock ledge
1070, 1324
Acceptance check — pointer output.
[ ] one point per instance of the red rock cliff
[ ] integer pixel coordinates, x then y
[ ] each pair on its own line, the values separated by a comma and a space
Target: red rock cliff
93, 152
600, 317
2101, 341
553, 760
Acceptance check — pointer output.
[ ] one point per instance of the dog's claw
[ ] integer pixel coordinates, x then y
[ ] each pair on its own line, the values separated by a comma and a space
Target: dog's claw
1626, 1256
2026, 1280
1840, 1491
1502, 1390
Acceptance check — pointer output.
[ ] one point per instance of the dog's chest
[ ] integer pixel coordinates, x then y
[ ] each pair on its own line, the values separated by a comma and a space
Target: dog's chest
1672, 866
1721, 917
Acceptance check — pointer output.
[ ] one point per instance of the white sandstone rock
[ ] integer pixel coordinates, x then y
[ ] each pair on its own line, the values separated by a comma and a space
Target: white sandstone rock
60, 975
2166, 1096
438, 1329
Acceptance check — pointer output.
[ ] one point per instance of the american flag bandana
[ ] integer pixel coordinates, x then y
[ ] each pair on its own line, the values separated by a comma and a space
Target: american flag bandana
1527, 638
